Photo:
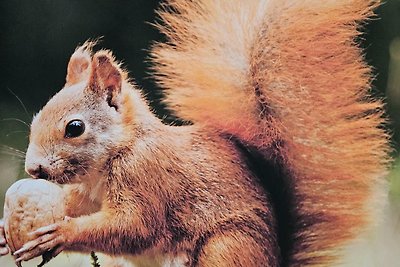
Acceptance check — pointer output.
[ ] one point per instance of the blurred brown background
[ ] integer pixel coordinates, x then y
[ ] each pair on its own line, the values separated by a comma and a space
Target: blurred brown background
38, 37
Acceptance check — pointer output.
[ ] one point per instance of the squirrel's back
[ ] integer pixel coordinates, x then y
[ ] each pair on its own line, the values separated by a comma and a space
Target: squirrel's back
288, 78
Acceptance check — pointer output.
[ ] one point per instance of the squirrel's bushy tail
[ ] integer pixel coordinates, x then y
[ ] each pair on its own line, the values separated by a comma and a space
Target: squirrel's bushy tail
288, 77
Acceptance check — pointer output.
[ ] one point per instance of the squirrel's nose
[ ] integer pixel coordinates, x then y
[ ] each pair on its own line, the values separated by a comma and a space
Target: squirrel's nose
38, 172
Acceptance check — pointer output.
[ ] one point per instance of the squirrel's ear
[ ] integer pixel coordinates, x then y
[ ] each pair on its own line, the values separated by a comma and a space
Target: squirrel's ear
106, 77
79, 67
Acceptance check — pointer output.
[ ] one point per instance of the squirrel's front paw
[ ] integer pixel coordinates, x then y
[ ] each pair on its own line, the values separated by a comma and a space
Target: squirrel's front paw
49, 240
3, 243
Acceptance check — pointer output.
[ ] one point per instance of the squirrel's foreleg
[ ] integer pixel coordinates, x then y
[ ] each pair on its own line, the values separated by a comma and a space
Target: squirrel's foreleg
113, 231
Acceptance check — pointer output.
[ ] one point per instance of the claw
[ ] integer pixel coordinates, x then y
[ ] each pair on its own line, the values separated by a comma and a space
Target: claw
28, 255
34, 243
44, 230
36, 248
18, 260
3, 251
46, 257
57, 251
47, 241
21, 250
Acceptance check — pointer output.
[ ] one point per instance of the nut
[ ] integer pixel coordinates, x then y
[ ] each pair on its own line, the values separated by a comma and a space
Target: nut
29, 205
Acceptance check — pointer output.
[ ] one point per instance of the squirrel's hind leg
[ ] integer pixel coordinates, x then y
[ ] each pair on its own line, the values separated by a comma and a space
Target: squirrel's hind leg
235, 248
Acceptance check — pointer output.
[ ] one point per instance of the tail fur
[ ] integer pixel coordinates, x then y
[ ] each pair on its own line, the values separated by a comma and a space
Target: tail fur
285, 76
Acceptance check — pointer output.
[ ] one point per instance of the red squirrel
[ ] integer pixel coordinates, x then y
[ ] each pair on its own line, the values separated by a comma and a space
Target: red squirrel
280, 166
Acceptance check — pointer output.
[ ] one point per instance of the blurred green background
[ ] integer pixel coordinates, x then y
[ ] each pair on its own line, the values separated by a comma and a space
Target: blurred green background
38, 37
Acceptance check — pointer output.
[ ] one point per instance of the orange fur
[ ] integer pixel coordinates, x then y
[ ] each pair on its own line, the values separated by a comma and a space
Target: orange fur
286, 76
265, 82
138, 190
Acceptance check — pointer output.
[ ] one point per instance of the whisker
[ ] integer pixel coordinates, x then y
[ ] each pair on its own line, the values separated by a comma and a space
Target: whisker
20, 101
45, 151
9, 153
74, 172
18, 120
12, 153
13, 132
84, 169
93, 168
11, 149
17, 160
64, 178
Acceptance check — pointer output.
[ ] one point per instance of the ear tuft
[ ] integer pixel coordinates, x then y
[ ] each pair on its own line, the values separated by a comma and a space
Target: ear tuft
107, 74
79, 67
106, 78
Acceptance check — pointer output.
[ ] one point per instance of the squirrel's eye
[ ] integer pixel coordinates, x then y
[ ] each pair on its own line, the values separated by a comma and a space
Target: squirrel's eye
74, 128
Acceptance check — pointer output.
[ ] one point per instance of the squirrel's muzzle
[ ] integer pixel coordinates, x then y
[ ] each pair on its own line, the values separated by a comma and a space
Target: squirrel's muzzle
38, 172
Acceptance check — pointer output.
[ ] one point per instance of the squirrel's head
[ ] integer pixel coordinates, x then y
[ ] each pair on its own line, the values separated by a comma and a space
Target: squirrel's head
81, 127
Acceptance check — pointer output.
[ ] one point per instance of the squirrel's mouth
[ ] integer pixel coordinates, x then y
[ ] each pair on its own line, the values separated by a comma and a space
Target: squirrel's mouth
68, 176
72, 172
64, 178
